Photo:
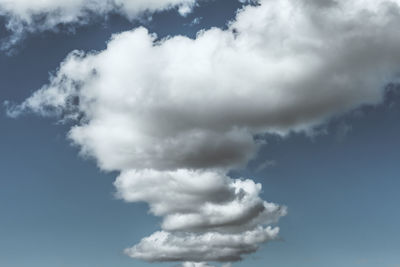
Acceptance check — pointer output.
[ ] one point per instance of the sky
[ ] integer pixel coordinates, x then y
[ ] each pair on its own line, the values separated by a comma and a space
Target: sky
197, 133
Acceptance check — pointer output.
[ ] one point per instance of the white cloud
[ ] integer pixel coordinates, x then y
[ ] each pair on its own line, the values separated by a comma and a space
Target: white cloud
174, 116
282, 68
198, 200
196, 264
211, 246
202, 264
25, 16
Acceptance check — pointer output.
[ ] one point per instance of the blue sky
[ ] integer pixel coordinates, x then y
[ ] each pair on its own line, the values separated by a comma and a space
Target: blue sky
339, 180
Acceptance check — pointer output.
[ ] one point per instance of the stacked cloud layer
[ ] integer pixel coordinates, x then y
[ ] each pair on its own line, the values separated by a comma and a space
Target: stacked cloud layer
174, 116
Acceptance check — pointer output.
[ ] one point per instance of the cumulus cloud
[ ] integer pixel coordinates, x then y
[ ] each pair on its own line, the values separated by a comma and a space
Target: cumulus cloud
198, 201
174, 116
211, 246
23, 16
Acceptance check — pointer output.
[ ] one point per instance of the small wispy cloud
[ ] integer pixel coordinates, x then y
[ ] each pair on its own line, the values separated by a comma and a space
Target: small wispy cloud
195, 21
342, 130
266, 164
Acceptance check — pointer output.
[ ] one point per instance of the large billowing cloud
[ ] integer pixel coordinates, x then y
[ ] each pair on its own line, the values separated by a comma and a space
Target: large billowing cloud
174, 116
23, 16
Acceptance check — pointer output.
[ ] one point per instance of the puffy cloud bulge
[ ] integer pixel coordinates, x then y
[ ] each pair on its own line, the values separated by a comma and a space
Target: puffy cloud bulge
175, 115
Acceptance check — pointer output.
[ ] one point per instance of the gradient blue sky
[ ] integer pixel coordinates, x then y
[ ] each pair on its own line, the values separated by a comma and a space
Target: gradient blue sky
56, 209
